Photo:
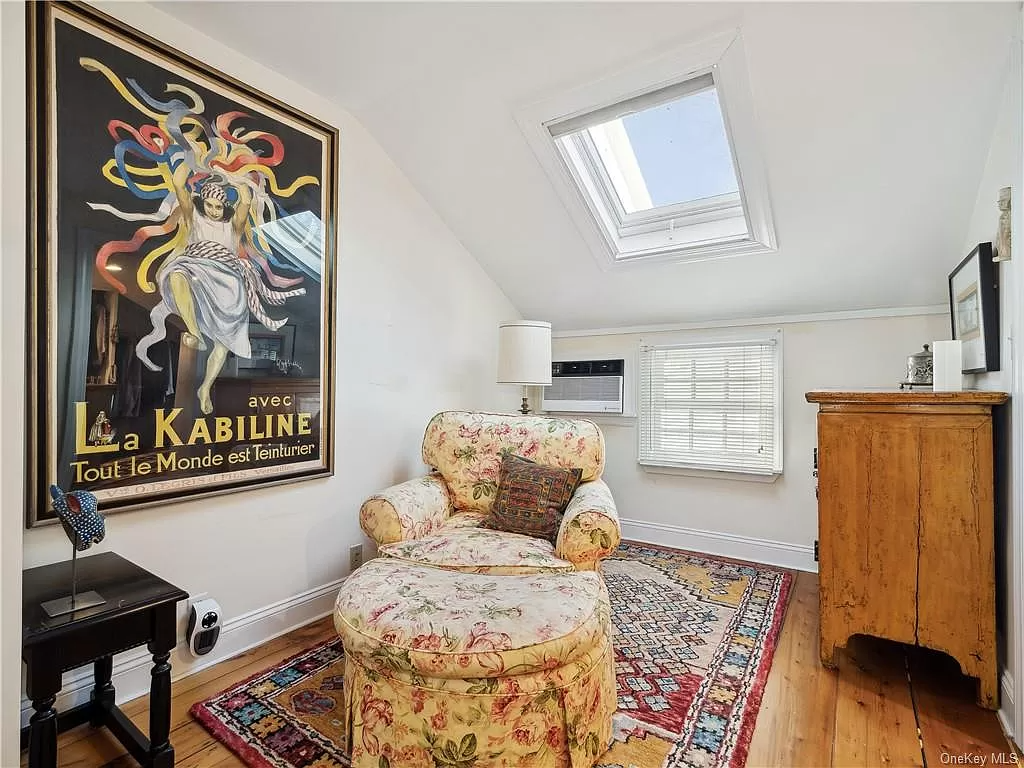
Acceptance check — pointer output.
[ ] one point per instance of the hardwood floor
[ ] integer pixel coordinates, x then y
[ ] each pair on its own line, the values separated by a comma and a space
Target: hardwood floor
866, 713
869, 711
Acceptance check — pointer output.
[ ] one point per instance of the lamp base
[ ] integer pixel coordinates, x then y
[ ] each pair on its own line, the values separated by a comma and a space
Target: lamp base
525, 407
63, 605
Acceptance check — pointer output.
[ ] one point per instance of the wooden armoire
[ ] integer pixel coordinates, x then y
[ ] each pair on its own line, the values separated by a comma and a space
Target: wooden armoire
906, 523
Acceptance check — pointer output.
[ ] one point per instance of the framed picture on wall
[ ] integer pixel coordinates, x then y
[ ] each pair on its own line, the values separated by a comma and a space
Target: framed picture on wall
974, 310
208, 210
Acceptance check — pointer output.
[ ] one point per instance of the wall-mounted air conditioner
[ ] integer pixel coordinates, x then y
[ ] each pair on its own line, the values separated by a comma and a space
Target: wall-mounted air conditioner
585, 386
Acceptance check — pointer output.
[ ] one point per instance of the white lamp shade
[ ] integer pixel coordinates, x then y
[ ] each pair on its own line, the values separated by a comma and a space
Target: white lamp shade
524, 353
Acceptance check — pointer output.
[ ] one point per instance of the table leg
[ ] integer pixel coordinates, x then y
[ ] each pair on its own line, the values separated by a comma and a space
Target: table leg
42, 684
103, 691
161, 752
42, 738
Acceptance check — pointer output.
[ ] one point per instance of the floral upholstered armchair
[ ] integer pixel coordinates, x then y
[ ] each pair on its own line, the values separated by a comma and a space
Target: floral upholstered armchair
436, 519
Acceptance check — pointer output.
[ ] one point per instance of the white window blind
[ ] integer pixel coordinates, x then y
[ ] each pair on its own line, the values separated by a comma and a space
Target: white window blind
712, 406
632, 106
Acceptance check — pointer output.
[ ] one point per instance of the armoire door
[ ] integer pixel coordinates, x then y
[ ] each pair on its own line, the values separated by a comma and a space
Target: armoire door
868, 483
956, 573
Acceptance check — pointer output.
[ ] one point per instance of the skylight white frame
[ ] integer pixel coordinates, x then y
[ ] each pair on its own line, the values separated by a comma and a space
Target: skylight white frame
582, 159
616, 238
583, 154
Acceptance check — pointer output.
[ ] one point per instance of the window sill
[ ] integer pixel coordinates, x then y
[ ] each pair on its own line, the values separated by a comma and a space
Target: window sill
606, 419
714, 474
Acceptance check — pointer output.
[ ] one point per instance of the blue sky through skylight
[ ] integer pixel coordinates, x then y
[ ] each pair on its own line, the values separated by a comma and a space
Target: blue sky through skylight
682, 150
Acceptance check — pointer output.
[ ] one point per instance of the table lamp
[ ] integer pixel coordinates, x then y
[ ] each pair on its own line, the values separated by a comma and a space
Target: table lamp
524, 355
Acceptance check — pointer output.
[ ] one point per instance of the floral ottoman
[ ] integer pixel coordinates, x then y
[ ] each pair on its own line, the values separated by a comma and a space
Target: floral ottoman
465, 669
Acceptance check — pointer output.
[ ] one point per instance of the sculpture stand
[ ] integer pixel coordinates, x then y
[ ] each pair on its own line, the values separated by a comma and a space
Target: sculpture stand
74, 602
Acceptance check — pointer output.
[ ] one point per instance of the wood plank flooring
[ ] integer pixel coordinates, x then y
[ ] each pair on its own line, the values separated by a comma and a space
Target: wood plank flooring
866, 713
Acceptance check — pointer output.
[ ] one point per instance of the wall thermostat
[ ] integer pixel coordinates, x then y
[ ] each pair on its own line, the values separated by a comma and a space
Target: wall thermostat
203, 626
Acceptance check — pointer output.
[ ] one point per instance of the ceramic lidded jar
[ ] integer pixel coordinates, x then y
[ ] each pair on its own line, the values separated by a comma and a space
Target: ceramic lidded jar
919, 366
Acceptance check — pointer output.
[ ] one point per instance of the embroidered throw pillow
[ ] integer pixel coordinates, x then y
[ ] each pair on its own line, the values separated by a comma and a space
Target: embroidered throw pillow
531, 498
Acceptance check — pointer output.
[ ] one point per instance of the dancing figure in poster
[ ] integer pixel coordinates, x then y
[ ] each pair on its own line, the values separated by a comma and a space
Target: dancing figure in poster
216, 191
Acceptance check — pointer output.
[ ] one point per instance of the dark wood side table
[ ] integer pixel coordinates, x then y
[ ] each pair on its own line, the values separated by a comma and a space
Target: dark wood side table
139, 610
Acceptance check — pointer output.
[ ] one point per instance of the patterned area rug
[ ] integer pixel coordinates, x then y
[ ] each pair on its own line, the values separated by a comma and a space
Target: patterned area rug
694, 641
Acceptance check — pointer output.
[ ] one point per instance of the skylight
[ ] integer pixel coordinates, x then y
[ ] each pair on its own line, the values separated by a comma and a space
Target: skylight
672, 153
654, 165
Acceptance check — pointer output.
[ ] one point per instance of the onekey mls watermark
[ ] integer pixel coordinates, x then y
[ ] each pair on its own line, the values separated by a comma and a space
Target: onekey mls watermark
979, 758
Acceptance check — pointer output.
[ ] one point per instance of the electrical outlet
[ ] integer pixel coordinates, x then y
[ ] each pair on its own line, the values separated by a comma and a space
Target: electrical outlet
355, 556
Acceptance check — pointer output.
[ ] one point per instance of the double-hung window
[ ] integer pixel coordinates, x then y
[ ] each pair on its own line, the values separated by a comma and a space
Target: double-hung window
714, 407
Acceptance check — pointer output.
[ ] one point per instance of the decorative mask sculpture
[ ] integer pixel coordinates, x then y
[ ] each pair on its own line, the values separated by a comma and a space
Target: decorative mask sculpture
79, 514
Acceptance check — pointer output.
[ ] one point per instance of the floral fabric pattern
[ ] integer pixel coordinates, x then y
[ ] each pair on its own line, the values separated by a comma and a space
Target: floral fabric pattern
412, 621
408, 510
590, 527
461, 670
467, 448
398, 724
478, 550
464, 520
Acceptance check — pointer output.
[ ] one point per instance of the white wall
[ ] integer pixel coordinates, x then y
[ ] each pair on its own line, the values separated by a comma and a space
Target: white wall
1002, 169
417, 329
1005, 168
772, 522
12, 242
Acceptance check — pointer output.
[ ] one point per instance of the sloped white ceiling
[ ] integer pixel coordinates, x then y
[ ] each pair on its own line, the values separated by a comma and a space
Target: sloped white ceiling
874, 120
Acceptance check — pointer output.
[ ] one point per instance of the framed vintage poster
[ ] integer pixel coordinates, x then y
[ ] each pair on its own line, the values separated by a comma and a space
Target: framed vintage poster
974, 310
182, 223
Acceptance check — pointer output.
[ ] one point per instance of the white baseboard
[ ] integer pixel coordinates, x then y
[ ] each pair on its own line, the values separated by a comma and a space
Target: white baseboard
131, 675
778, 553
1006, 705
